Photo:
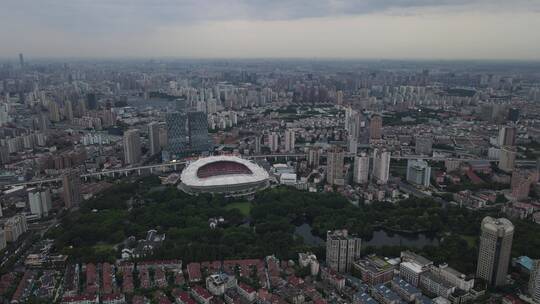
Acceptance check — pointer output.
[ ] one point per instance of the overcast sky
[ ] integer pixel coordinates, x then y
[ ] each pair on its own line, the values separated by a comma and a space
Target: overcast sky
400, 29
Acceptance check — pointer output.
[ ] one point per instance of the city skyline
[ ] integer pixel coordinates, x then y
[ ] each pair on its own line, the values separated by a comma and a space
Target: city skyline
281, 29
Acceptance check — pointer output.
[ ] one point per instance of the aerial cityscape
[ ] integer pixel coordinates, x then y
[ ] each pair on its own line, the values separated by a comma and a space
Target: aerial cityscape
250, 171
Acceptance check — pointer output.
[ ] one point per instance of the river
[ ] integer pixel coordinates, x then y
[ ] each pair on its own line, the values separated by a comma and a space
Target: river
380, 238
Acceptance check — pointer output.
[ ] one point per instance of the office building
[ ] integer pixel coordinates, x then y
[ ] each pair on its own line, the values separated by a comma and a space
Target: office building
258, 140
534, 282
507, 136
374, 270
507, 160
334, 166
177, 135
273, 141
199, 140
153, 138
71, 184
418, 172
91, 101
412, 266
21, 60
132, 147
341, 250
424, 146
361, 169
289, 140
495, 246
375, 127
513, 114
381, 166
39, 201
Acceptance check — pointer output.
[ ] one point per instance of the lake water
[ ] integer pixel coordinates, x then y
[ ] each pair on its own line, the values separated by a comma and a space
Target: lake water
380, 238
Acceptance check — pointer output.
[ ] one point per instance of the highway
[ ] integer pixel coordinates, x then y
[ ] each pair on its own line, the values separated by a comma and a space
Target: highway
175, 164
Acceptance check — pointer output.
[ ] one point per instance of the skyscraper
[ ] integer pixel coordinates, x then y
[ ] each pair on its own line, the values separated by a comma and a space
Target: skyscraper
334, 166
375, 127
199, 140
132, 147
341, 250
21, 60
153, 138
177, 136
534, 282
418, 172
289, 140
71, 184
495, 246
361, 169
381, 166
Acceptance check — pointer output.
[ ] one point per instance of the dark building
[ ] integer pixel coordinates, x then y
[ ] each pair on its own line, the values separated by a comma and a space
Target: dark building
513, 114
198, 132
91, 101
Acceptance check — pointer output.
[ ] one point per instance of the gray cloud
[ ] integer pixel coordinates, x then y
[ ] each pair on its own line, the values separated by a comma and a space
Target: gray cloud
271, 28
102, 16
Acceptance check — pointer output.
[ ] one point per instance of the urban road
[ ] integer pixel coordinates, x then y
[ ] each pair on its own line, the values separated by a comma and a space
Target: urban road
175, 164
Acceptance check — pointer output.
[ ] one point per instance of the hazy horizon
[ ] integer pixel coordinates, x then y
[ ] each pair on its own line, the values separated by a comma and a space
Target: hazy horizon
240, 29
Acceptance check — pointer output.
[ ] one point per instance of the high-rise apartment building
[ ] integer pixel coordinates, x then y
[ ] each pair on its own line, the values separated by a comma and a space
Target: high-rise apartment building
507, 136
153, 138
361, 169
334, 166
375, 127
495, 246
339, 97
534, 282
132, 147
520, 184
507, 158
341, 250
273, 141
39, 201
314, 156
381, 166
423, 145
14, 227
418, 172
71, 184
352, 144
258, 140
289, 140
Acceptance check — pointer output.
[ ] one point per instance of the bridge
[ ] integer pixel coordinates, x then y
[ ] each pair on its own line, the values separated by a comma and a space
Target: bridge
284, 156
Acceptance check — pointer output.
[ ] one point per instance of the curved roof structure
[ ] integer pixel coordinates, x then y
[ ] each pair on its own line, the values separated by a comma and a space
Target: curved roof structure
217, 171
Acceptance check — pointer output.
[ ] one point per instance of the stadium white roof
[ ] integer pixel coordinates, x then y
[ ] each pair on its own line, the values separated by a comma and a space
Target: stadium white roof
189, 174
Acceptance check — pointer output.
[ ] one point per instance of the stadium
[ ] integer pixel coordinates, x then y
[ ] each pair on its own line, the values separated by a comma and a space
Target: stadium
227, 175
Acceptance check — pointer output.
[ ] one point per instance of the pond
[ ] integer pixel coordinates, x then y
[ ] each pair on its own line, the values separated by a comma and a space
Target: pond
380, 238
